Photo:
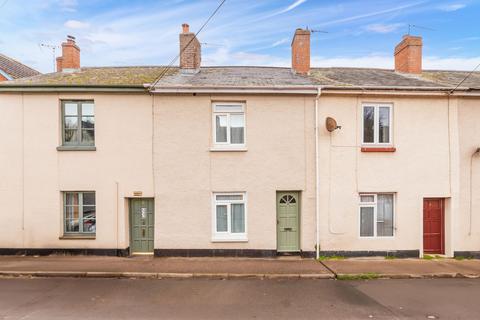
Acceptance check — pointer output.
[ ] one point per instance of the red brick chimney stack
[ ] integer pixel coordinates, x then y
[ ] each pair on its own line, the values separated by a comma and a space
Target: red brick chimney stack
301, 52
408, 55
191, 55
70, 59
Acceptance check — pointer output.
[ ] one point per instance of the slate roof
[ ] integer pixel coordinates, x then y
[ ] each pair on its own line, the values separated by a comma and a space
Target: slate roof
15, 69
253, 77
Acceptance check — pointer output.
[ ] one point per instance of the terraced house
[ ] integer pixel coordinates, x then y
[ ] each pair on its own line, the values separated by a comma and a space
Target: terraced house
241, 161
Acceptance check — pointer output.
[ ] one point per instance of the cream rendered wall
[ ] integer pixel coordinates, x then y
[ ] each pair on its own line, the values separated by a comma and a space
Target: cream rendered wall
280, 156
123, 140
419, 168
467, 232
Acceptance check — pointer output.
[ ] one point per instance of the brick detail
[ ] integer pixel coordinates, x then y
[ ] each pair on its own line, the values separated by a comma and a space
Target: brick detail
70, 58
408, 55
190, 50
301, 52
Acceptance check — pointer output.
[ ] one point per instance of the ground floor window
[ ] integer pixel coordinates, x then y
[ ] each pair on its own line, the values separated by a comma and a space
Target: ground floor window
79, 212
376, 215
229, 216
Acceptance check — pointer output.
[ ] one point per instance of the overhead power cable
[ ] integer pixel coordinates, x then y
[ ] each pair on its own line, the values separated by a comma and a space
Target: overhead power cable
464, 79
164, 71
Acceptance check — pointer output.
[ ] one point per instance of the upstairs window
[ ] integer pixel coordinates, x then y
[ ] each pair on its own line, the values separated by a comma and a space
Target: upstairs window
229, 124
376, 215
377, 124
78, 123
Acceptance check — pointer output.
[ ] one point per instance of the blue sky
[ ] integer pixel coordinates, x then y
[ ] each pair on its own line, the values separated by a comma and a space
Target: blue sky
245, 32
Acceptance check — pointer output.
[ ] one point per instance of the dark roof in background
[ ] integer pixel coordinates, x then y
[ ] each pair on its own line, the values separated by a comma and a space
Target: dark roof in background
16, 69
248, 77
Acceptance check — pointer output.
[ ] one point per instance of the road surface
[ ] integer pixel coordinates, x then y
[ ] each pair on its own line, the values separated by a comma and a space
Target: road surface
61, 298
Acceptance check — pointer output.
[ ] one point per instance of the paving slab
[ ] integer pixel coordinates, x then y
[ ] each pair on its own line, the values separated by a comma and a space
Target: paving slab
94, 266
406, 268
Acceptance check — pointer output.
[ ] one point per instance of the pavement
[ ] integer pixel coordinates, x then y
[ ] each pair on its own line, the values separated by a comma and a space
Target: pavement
85, 298
233, 268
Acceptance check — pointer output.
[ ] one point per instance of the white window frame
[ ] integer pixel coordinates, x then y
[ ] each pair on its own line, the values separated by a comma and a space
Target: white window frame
228, 145
376, 120
374, 205
228, 236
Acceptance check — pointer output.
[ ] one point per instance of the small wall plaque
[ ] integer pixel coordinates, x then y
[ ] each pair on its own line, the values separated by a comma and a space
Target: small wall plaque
137, 193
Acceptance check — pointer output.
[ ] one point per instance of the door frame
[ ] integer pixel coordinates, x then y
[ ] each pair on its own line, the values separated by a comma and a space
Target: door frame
130, 230
442, 222
298, 219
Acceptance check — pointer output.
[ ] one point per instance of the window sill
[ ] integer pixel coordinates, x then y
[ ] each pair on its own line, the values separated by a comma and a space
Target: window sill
224, 239
77, 237
228, 149
76, 148
378, 149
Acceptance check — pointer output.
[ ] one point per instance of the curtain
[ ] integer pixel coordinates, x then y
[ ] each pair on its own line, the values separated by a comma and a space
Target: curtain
238, 218
222, 221
385, 215
221, 128
237, 128
384, 125
366, 221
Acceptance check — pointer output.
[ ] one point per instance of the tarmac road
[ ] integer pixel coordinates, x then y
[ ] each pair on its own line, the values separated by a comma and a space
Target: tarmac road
62, 298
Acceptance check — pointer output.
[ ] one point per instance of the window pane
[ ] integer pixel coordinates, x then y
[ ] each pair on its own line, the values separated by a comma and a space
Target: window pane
70, 109
88, 136
221, 128
88, 122
385, 215
222, 219
366, 222
88, 198
368, 124
89, 225
384, 125
238, 218
229, 108
71, 212
72, 225
87, 109
367, 199
71, 122
72, 198
226, 197
71, 135
237, 125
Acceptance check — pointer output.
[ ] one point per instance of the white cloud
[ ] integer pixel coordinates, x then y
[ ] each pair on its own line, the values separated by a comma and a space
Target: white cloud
383, 28
75, 24
452, 7
285, 10
280, 42
68, 5
292, 6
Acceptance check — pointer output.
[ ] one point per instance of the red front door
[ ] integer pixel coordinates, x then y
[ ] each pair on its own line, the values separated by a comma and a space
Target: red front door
433, 226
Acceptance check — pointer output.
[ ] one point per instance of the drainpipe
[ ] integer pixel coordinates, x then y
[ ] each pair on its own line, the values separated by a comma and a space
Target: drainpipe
317, 177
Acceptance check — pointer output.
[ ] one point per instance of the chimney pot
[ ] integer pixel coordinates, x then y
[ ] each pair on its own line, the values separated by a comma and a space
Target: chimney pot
301, 52
408, 55
186, 28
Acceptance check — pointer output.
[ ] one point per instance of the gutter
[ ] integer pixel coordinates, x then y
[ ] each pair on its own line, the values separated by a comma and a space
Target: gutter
66, 88
317, 178
241, 90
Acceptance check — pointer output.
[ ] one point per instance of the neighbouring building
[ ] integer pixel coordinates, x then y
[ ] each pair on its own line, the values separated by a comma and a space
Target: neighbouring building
241, 161
11, 69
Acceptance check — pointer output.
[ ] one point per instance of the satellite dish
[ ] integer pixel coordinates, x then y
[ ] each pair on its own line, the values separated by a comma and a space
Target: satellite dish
331, 124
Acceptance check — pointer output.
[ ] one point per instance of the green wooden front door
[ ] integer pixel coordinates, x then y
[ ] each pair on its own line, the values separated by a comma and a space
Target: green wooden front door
288, 233
141, 226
